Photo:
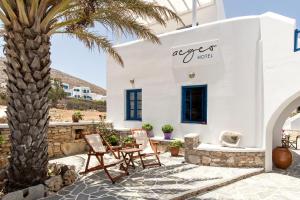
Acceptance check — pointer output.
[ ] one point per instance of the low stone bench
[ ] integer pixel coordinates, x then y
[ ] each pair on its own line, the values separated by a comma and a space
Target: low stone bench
214, 155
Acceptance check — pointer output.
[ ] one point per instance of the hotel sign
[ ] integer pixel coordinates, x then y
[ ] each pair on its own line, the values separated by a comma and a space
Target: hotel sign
204, 53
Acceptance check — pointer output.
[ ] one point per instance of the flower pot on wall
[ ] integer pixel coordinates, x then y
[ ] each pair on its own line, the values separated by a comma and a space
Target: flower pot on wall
168, 136
75, 119
174, 151
282, 157
150, 134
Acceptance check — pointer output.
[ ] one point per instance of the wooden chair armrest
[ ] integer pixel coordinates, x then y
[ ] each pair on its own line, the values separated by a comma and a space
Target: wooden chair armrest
154, 142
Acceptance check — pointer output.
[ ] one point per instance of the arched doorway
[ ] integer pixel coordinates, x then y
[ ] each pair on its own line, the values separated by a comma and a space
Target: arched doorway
275, 124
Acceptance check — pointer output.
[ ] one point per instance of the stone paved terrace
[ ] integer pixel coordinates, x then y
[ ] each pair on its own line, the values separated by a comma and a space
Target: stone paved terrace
278, 185
173, 178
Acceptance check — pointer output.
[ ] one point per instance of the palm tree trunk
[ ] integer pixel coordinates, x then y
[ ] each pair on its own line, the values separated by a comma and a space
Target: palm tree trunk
28, 69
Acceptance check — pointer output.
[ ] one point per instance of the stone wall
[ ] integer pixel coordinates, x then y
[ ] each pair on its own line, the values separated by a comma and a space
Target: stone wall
234, 158
64, 139
163, 145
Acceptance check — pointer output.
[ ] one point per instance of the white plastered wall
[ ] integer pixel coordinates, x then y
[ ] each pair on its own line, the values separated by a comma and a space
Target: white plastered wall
232, 83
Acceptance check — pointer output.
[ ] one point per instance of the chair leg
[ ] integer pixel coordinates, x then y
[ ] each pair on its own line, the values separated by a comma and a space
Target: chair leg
141, 160
87, 165
113, 179
158, 160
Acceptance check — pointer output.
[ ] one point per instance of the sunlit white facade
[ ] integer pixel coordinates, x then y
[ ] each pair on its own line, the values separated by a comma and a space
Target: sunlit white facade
238, 74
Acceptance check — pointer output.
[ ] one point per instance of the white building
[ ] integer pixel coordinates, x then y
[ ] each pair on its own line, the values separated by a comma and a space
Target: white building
67, 89
82, 93
239, 74
98, 97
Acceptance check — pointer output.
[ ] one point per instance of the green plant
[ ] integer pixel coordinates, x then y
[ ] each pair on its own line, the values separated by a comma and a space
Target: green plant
78, 115
128, 140
167, 128
1, 139
147, 127
176, 144
113, 140
56, 92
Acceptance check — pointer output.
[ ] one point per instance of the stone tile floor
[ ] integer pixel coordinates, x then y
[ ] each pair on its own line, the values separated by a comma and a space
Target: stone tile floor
164, 182
277, 185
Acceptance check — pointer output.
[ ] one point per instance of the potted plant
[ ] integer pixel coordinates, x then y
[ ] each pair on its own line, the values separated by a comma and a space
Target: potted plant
282, 156
113, 140
174, 147
128, 141
148, 127
77, 116
167, 130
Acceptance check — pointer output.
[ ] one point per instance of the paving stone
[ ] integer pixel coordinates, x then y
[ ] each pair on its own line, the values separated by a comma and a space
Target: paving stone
78, 189
163, 182
279, 184
82, 197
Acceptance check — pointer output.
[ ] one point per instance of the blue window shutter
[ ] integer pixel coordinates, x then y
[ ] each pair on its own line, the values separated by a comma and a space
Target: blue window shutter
296, 36
200, 108
134, 107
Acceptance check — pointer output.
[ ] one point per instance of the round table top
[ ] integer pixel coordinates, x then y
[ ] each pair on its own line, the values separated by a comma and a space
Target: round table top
130, 150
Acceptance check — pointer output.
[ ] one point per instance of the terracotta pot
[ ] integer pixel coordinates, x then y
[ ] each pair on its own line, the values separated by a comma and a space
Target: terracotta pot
174, 151
282, 157
168, 136
75, 119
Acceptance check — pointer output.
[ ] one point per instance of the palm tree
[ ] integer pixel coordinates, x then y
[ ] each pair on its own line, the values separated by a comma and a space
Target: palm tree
28, 27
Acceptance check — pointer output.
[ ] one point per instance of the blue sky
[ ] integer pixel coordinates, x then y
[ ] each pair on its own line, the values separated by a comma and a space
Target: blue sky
72, 57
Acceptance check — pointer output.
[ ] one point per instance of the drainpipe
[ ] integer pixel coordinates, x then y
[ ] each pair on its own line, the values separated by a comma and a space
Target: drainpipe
194, 20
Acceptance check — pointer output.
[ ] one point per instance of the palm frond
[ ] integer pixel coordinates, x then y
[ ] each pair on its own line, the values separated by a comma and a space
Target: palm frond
93, 40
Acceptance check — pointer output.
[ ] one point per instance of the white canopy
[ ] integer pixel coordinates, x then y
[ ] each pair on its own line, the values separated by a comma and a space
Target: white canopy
181, 7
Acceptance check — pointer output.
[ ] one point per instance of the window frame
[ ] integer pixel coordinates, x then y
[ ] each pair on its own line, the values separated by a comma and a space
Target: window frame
183, 107
128, 108
296, 39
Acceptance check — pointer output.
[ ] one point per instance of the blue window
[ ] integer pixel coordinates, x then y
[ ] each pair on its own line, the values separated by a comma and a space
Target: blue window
194, 104
134, 104
296, 37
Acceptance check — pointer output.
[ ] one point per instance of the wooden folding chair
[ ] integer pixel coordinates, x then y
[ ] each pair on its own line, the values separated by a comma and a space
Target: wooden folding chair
292, 137
97, 149
149, 148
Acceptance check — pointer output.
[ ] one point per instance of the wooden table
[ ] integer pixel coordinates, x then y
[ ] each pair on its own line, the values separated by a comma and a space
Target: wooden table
116, 149
127, 155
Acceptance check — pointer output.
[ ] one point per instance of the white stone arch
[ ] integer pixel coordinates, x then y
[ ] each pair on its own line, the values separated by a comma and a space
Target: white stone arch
274, 126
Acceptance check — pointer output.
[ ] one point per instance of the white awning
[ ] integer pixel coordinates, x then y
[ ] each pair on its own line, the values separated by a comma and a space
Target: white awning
180, 7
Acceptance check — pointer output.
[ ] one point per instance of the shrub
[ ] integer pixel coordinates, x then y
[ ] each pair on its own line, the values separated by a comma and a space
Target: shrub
128, 140
113, 140
107, 131
77, 116
167, 128
176, 144
1, 139
56, 92
147, 127
3, 99
81, 104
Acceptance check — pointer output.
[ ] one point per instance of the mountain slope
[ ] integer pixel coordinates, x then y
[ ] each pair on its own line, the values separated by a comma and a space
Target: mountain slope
64, 77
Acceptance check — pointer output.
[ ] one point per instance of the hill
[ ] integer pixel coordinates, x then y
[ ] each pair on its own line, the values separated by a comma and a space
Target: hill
64, 77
